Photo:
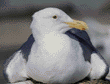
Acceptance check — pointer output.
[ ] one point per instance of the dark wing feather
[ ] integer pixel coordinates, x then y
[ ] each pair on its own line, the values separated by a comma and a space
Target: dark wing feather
25, 50
84, 41
26, 47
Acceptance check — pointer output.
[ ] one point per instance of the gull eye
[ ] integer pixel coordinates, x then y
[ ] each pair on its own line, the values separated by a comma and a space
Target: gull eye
54, 17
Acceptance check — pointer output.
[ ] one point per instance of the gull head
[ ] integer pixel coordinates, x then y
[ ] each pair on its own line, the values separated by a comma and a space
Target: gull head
54, 20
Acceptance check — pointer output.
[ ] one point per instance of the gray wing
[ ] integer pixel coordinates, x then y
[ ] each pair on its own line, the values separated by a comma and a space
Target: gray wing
84, 41
87, 47
25, 50
26, 47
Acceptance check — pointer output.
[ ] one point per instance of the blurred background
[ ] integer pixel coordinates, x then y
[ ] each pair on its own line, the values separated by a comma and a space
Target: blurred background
15, 19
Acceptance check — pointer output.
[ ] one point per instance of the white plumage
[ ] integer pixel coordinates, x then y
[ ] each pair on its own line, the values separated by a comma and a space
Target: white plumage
54, 57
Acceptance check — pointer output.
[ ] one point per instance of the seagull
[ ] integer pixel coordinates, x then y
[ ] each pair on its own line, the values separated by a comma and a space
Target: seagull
59, 50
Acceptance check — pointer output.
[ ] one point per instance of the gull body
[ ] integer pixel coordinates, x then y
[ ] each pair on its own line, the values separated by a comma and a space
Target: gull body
54, 53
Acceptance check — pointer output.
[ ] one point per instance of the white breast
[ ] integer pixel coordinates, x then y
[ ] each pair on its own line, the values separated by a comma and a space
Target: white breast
57, 58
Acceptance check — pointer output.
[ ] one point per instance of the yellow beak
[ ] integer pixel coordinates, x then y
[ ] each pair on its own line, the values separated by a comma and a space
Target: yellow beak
77, 24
